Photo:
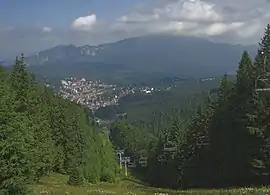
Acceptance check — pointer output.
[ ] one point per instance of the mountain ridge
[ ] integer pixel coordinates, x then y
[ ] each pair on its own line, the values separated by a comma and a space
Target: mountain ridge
177, 55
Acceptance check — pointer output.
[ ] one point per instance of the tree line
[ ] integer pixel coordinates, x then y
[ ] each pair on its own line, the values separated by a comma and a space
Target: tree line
235, 129
41, 132
226, 143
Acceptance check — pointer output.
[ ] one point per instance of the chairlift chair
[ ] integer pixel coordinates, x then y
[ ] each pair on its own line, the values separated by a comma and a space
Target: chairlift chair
142, 160
132, 165
170, 147
126, 159
162, 158
144, 164
264, 78
122, 161
203, 141
173, 155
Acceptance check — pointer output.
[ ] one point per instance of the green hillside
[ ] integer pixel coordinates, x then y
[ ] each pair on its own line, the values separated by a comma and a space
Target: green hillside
43, 133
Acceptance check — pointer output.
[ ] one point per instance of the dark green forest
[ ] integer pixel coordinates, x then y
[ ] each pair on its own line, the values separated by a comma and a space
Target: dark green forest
221, 142
43, 133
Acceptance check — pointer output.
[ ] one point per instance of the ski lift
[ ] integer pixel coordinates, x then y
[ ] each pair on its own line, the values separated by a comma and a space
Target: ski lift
173, 155
144, 165
264, 78
162, 158
203, 141
170, 147
119, 154
143, 161
120, 151
126, 159
132, 165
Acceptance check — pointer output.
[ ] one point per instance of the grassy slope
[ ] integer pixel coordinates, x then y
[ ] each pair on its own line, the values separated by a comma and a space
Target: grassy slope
55, 184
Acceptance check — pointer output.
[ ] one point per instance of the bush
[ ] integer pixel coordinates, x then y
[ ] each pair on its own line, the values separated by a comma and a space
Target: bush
92, 175
76, 177
14, 186
107, 176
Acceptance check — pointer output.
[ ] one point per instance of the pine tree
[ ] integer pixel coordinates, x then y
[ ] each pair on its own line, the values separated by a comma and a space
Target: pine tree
249, 143
244, 80
39, 113
76, 177
17, 140
262, 68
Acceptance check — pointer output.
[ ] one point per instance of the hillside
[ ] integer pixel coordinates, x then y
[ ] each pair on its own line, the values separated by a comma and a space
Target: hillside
224, 144
166, 55
42, 133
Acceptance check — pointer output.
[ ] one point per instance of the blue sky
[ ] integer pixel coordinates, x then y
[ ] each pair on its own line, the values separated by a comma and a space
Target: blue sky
60, 12
29, 26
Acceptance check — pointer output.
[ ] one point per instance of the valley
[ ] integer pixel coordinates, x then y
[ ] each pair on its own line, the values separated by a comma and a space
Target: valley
107, 101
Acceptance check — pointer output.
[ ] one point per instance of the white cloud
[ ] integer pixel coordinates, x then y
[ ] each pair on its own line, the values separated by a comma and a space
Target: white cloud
137, 18
193, 10
47, 29
84, 23
220, 28
200, 18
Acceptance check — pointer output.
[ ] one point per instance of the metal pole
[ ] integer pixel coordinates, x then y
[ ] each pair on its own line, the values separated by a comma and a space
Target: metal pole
120, 160
264, 63
126, 168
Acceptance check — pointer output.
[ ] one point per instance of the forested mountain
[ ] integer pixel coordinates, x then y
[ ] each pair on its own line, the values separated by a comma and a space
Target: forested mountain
139, 57
40, 132
226, 142
160, 107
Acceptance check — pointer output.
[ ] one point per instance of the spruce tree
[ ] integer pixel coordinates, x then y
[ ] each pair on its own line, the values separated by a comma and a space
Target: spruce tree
17, 136
76, 177
248, 135
262, 66
244, 82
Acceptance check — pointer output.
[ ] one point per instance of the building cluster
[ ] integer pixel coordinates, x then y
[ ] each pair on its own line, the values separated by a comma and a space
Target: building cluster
208, 79
94, 94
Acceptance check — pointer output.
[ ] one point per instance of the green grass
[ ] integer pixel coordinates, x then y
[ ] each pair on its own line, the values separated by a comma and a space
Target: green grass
56, 184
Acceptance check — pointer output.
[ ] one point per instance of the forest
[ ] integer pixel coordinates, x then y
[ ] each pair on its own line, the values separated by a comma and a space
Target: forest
204, 140
225, 143
43, 133
165, 102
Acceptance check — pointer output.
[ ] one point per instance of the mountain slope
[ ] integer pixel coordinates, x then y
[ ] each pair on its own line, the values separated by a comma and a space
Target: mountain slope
182, 56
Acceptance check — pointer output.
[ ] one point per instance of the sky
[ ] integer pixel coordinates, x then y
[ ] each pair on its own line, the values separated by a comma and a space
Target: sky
29, 26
